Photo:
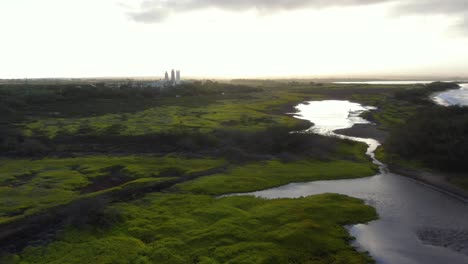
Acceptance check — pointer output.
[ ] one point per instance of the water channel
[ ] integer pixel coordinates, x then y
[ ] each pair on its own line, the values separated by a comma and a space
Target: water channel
417, 223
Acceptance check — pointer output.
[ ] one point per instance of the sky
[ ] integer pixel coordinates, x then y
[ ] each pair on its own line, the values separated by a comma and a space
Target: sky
233, 38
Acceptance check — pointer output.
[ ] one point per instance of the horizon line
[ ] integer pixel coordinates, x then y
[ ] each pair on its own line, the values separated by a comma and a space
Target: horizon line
402, 77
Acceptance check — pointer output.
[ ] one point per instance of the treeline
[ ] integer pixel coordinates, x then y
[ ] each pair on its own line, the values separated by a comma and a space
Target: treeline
18, 101
16, 95
234, 145
422, 95
70, 100
197, 88
435, 135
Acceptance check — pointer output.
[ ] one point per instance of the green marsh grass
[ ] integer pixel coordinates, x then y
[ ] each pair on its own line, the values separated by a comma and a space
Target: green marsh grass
27, 186
175, 228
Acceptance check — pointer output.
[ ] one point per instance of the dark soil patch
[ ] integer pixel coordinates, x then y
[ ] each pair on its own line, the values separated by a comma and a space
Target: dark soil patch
19, 180
172, 172
17, 212
116, 177
364, 131
41, 228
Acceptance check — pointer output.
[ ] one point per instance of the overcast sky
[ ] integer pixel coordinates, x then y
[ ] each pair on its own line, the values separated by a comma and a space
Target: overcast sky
233, 38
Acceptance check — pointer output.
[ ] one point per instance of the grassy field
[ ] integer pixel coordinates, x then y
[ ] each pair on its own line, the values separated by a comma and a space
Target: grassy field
230, 137
174, 228
273, 173
251, 113
423, 135
29, 186
90, 136
259, 176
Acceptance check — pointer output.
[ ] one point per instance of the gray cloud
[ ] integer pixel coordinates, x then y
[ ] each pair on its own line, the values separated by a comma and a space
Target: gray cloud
433, 6
462, 26
456, 8
153, 11
150, 15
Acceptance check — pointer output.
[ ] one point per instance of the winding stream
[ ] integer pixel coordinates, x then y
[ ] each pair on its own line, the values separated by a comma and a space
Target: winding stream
417, 224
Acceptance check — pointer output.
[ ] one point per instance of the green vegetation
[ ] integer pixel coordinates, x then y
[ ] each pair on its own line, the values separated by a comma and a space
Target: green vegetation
166, 228
436, 137
423, 134
263, 175
398, 107
124, 175
459, 180
29, 186
228, 114
126, 112
258, 176
54, 120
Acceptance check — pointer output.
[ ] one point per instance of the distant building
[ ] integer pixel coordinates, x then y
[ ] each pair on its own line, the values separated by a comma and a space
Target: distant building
173, 78
178, 77
155, 84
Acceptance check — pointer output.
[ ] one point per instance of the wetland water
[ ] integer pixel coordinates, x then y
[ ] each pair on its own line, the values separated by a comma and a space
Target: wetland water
417, 224
453, 97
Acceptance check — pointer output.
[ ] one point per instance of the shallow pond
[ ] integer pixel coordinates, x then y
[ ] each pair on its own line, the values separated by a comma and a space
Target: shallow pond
417, 223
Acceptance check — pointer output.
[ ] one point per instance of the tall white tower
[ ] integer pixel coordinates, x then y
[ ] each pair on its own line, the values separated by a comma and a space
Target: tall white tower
178, 77
173, 80
166, 77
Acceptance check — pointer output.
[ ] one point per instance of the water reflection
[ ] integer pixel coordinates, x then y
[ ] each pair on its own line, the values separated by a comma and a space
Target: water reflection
417, 224
453, 97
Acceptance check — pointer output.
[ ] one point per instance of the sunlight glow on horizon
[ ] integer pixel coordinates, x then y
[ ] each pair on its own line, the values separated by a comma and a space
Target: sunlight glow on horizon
89, 39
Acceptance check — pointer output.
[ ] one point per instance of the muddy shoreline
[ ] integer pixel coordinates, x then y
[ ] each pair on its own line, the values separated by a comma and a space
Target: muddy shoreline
364, 131
437, 180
